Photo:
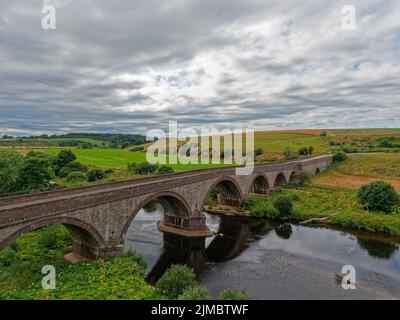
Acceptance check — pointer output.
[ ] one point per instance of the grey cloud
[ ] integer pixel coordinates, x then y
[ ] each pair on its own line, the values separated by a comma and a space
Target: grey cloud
261, 64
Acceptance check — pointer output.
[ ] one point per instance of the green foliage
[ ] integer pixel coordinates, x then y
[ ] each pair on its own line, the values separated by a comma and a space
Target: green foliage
63, 158
11, 164
176, 280
94, 175
145, 168
34, 175
195, 293
76, 177
303, 150
165, 169
289, 154
378, 195
301, 179
284, 205
339, 156
258, 152
233, 294
137, 148
132, 166
21, 263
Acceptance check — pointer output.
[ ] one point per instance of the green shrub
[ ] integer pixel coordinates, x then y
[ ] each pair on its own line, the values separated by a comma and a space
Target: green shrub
132, 166
145, 168
195, 293
301, 179
137, 148
303, 150
258, 152
284, 205
165, 169
76, 177
289, 154
378, 195
176, 280
339, 156
95, 175
233, 294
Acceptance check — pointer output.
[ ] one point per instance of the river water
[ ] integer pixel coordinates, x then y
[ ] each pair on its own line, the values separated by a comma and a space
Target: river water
272, 260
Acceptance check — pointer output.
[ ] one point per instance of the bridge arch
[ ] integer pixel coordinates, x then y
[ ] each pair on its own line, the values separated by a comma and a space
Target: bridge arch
176, 210
260, 185
280, 180
230, 193
87, 240
317, 171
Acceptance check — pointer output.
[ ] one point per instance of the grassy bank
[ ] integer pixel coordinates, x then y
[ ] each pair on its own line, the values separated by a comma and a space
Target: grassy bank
21, 264
317, 202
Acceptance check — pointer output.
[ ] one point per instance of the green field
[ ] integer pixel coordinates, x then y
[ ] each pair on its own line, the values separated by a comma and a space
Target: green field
119, 158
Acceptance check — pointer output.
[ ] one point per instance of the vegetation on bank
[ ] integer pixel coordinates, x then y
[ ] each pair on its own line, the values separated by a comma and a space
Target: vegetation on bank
118, 278
317, 202
21, 265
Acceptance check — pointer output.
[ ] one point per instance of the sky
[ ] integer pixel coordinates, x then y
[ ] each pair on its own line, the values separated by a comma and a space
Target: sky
132, 66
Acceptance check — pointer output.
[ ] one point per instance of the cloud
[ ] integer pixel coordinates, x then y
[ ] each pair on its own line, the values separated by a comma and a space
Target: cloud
132, 66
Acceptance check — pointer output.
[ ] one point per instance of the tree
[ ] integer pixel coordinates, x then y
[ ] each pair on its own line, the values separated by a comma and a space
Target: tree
63, 158
195, 293
35, 175
339, 156
11, 164
145, 168
176, 280
378, 195
303, 150
284, 205
233, 294
310, 150
95, 175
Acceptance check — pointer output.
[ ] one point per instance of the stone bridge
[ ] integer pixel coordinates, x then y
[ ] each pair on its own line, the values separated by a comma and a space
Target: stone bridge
98, 217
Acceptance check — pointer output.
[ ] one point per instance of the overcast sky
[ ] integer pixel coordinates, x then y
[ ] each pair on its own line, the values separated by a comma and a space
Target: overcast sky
131, 66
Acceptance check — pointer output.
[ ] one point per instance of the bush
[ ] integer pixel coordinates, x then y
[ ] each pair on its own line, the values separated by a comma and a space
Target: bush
301, 179
284, 205
64, 157
145, 168
75, 177
233, 294
137, 148
339, 156
35, 175
132, 166
176, 280
165, 169
258, 152
11, 164
303, 150
95, 175
195, 293
378, 195
289, 154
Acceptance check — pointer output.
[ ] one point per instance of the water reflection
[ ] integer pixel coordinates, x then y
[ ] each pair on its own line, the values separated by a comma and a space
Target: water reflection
239, 235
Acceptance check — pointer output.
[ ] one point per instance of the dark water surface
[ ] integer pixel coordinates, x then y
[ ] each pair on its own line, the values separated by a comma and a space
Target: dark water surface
272, 260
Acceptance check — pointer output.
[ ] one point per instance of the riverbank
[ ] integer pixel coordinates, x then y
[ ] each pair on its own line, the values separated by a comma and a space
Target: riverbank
317, 202
21, 271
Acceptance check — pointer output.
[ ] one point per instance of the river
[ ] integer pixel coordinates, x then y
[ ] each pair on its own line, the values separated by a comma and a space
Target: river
272, 260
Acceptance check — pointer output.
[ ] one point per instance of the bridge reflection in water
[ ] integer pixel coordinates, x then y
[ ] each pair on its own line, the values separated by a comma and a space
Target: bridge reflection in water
239, 236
